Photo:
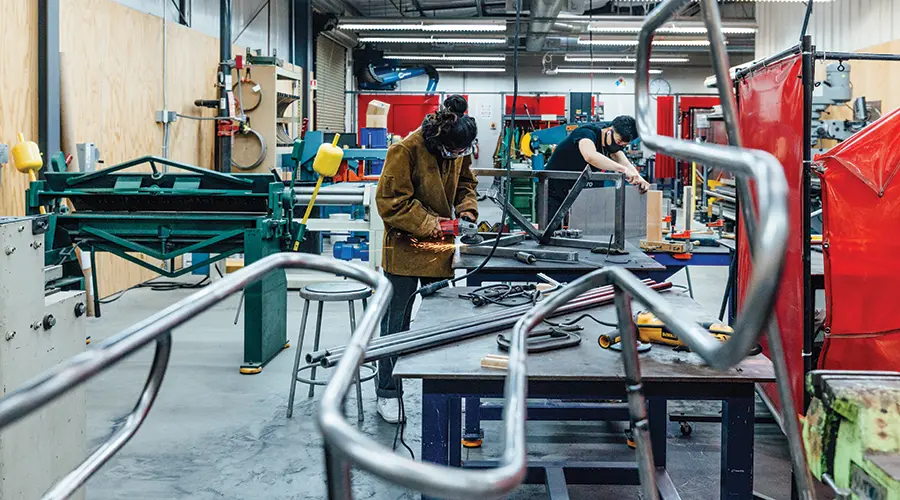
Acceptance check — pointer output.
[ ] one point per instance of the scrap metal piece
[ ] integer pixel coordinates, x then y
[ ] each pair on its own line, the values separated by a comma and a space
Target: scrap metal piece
505, 252
505, 241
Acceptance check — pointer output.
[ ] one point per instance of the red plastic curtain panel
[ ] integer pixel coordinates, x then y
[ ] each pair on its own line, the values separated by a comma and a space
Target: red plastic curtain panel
665, 125
861, 215
771, 119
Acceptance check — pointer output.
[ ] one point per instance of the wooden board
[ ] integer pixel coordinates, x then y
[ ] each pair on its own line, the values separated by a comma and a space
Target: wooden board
18, 93
112, 79
654, 215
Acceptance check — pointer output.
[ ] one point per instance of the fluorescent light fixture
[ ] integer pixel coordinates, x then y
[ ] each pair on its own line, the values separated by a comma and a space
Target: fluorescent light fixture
606, 71
480, 41
625, 59
633, 43
669, 30
445, 57
364, 25
491, 69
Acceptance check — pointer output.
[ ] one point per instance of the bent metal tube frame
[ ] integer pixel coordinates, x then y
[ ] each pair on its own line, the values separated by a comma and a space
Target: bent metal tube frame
345, 446
157, 330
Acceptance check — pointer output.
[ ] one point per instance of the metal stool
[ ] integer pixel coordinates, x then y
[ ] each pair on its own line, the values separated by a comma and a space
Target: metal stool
337, 291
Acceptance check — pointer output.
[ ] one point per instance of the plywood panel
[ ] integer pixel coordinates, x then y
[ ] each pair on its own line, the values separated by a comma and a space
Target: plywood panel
112, 73
18, 93
878, 80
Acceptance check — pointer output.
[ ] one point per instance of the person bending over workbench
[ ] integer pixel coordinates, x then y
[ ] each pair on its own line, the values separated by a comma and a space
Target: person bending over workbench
600, 148
426, 179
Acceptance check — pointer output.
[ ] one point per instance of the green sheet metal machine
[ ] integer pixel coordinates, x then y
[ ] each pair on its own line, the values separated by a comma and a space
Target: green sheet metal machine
852, 433
165, 215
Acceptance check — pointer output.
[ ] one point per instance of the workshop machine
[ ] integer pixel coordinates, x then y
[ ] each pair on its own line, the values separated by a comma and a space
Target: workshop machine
38, 330
836, 90
852, 432
190, 210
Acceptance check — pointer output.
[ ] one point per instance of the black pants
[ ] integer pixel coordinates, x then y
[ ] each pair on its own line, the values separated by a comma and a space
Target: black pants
396, 320
554, 201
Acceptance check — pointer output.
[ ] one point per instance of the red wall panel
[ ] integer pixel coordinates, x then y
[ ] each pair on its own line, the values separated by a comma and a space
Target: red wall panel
407, 111
861, 213
771, 119
665, 125
537, 105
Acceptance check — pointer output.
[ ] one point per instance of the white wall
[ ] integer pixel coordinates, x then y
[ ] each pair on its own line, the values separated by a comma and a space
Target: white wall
205, 18
487, 108
841, 25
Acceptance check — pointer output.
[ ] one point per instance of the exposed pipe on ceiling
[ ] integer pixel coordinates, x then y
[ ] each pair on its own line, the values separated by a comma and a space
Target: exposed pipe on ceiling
534, 42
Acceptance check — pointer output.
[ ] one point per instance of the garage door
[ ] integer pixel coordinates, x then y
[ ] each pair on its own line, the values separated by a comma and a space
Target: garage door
331, 74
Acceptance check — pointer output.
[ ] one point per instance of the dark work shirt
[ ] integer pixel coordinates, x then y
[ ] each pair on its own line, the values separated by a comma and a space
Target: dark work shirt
567, 156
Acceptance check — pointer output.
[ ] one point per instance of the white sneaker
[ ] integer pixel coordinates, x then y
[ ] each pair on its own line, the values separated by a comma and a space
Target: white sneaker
389, 409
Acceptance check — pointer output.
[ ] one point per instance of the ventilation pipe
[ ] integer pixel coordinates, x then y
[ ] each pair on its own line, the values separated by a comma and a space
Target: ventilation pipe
537, 32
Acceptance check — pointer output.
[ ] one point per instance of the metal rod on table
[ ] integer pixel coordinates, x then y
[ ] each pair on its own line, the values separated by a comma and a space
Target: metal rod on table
412, 341
52, 384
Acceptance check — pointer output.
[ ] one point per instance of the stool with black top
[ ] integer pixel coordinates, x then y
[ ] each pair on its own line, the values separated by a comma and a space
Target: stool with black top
337, 291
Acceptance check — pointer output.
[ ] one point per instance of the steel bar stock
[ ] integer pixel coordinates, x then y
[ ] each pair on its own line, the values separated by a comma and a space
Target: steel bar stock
45, 388
346, 446
421, 333
482, 328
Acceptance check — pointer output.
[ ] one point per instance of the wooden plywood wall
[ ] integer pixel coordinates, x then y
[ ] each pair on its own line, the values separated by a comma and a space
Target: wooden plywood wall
18, 93
878, 80
112, 85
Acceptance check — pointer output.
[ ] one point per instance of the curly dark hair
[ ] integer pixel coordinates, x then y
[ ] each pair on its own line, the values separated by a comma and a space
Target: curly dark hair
450, 126
626, 128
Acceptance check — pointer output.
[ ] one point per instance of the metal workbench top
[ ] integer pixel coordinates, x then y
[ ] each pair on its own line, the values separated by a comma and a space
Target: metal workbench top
636, 260
585, 363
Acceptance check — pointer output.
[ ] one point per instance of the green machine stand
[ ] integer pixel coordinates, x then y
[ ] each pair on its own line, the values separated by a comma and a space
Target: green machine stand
165, 215
852, 433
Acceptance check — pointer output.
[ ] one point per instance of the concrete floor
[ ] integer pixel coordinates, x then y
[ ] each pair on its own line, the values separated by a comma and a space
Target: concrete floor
216, 434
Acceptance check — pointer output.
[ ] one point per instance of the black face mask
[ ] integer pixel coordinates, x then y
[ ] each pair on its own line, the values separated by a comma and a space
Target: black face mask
612, 147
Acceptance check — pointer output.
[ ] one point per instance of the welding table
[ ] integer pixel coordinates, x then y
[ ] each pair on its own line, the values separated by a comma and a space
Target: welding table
452, 373
504, 269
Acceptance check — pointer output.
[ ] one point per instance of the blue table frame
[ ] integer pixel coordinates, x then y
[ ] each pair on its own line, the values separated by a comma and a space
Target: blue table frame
560, 383
442, 430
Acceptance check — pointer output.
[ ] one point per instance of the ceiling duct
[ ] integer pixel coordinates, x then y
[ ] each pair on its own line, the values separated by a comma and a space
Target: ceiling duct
542, 9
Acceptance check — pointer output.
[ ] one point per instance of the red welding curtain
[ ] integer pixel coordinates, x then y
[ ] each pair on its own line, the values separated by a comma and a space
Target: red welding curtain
861, 215
406, 113
665, 125
771, 119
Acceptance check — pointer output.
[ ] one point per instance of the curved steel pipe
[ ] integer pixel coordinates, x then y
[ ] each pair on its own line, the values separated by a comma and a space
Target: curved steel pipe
46, 388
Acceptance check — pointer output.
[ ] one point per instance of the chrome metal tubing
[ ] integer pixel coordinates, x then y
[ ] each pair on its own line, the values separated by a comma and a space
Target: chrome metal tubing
46, 388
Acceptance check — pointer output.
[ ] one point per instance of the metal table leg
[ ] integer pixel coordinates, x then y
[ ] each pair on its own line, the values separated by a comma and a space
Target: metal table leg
737, 445
435, 428
454, 432
473, 435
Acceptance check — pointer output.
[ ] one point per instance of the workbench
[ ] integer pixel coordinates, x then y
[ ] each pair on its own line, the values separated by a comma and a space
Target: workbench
453, 373
505, 269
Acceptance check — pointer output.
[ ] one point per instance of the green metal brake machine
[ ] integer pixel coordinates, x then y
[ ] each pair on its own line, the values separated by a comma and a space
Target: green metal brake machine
165, 215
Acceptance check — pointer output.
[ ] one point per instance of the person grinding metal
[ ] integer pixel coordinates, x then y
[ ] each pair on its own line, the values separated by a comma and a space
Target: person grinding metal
601, 148
426, 179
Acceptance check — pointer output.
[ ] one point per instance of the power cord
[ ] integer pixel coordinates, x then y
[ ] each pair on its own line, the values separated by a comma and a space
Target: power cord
158, 286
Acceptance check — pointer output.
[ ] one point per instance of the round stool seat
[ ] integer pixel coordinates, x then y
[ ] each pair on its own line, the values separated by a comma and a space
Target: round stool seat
336, 291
